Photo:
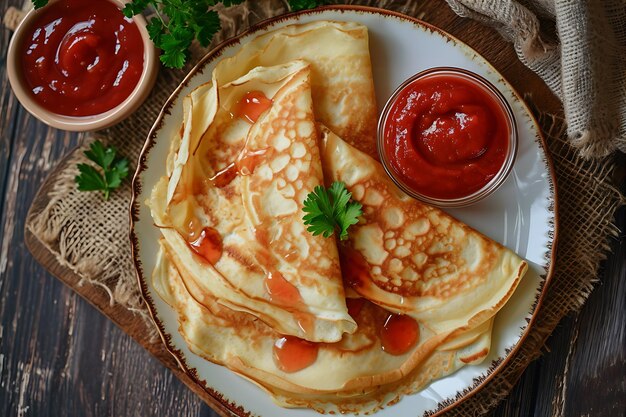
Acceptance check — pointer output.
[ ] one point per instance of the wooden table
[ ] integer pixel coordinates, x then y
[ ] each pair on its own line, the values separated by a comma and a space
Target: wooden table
60, 357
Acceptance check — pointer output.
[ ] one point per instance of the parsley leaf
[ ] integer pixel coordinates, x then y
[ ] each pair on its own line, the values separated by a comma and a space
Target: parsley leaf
135, 7
296, 5
155, 29
39, 3
330, 210
205, 25
178, 23
114, 170
175, 47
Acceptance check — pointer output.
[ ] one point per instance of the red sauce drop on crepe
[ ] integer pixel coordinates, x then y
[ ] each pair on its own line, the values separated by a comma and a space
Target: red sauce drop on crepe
355, 305
208, 245
252, 105
285, 294
193, 228
244, 165
354, 268
281, 291
399, 334
305, 321
225, 176
292, 354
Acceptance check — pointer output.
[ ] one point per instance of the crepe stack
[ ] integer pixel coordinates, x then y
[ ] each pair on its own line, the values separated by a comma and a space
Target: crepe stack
335, 326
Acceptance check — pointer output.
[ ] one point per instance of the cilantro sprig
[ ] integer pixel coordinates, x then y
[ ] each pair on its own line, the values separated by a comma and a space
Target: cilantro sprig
330, 210
179, 22
114, 170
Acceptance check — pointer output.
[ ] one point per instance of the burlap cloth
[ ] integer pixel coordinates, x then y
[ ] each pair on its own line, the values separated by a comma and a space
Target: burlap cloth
585, 65
90, 236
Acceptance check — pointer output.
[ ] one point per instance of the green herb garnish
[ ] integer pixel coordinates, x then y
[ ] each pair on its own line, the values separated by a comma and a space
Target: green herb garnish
39, 3
114, 170
178, 23
331, 209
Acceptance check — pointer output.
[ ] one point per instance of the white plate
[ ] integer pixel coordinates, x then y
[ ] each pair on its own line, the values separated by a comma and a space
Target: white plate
520, 215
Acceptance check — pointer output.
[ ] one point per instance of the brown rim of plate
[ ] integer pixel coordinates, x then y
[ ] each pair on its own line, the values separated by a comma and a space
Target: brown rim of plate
497, 365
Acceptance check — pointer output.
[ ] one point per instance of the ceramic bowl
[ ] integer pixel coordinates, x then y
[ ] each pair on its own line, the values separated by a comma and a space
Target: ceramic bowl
82, 123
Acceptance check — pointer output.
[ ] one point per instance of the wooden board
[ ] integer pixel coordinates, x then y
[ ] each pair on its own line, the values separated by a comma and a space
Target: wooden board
59, 358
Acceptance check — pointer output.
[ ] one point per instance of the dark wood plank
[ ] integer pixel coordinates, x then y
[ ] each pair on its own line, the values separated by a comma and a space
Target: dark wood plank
597, 357
58, 355
142, 366
9, 107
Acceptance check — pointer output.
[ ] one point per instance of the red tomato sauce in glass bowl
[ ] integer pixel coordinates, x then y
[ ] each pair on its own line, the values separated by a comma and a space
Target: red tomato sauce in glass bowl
447, 137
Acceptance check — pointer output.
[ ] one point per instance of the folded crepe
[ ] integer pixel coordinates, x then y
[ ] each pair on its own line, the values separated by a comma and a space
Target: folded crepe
353, 375
341, 73
414, 259
230, 210
358, 373
237, 179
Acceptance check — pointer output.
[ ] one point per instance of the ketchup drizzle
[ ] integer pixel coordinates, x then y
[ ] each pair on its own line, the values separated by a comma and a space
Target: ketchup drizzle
252, 105
354, 268
283, 293
208, 245
355, 305
399, 334
292, 354
245, 164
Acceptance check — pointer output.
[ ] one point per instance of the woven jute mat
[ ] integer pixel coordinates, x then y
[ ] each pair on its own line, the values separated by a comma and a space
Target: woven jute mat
96, 248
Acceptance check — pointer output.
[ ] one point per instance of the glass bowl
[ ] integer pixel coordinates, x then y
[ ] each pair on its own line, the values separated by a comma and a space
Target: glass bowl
494, 94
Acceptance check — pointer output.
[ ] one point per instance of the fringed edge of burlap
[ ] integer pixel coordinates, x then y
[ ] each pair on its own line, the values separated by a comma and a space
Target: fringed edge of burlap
50, 232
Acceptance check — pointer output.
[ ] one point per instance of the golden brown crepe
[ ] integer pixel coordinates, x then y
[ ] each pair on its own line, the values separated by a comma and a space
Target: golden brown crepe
245, 182
341, 73
415, 259
356, 373
352, 375
269, 266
